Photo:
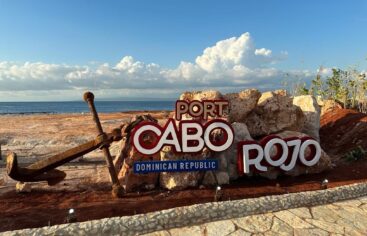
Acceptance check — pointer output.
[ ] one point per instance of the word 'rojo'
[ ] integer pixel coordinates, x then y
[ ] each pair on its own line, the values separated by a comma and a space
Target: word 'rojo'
257, 156
191, 137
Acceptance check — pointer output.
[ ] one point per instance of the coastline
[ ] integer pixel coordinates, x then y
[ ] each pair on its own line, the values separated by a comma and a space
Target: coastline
25, 108
80, 113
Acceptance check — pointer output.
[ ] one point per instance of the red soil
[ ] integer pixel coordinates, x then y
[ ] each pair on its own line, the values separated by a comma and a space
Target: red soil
342, 130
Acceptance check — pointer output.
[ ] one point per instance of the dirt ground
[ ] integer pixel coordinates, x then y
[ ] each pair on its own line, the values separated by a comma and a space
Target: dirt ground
340, 132
38, 209
39, 135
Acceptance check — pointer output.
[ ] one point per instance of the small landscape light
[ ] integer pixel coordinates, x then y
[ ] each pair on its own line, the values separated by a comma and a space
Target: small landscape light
71, 218
217, 195
324, 183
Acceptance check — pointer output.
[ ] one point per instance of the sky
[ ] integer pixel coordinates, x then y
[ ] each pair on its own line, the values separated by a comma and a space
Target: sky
55, 50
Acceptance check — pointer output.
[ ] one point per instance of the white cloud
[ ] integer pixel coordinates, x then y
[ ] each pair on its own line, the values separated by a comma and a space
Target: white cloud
263, 52
325, 71
230, 64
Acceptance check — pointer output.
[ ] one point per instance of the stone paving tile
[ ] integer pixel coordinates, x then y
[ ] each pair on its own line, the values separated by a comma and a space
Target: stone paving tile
255, 223
279, 227
325, 213
310, 232
352, 203
188, 231
363, 199
240, 232
325, 225
302, 212
363, 207
342, 218
159, 233
292, 220
354, 217
351, 228
353, 232
224, 227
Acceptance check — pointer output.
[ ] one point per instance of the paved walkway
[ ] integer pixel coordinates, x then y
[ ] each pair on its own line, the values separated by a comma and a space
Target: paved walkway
341, 218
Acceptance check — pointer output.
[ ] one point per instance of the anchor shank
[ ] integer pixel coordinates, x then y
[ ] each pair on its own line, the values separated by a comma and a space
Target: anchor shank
64, 157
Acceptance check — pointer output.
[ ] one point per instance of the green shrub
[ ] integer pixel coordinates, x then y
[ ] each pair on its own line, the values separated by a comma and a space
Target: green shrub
355, 154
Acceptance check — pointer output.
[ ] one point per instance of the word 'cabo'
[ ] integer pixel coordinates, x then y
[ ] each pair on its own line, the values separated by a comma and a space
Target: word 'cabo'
191, 136
258, 155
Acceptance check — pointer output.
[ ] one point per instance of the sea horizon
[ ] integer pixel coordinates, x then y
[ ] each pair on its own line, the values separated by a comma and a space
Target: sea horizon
61, 107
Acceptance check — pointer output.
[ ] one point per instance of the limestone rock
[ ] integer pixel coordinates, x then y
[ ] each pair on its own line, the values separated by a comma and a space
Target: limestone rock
228, 159
201, 95
21, 187
181, 180
329, 105
215, 178
241, 104
134, 181
323, 164
311, 110
129, 155
274, 112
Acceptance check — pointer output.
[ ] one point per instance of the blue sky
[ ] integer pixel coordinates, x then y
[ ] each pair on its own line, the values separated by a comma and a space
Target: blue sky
59, 46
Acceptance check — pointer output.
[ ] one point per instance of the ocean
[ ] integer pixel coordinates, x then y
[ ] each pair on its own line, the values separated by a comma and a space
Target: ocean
79, 106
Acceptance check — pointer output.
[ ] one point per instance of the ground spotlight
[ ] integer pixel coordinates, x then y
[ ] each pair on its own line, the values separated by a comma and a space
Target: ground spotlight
324, 184
218, 194
71, 218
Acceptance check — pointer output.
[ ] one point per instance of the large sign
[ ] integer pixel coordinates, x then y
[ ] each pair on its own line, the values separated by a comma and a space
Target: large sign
192, 135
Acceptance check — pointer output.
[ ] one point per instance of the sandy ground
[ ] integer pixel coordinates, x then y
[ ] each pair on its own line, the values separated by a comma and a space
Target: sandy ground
38, 136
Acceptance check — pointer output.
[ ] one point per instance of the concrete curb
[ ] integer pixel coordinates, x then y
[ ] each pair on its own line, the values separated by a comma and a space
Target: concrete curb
199, 213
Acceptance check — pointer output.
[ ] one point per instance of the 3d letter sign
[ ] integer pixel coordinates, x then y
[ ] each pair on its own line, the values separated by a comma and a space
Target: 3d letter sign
287, 153
191, 137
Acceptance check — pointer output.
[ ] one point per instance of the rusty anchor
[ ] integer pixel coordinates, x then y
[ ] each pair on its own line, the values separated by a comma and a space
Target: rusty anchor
45, 170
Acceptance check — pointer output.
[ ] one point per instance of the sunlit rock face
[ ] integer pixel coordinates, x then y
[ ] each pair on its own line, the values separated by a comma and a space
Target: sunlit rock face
181, 180
228, 159
273, 113
311, 110
241, 104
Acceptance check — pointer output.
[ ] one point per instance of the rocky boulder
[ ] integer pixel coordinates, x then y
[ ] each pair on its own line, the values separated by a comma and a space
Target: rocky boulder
228, 159
274, 112
128, 155
323, 164
311, 110
241, 104
201, 95
134, 181
329, 105
181, 180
